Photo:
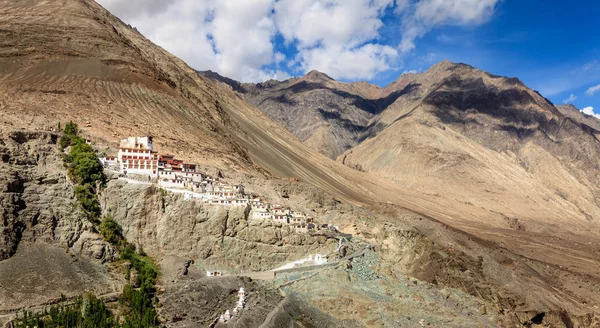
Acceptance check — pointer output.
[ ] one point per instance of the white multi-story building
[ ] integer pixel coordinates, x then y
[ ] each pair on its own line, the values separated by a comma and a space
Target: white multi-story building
279, 210
240, 202
297, 218
260, 206
192, 176
300, 228
261, 215
281, 218
109, 162
171, 183
136, 155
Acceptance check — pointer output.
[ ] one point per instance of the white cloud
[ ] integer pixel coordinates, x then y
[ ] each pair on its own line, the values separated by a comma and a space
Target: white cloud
590, 111
429, 14
279, 58
429, 58
592, 91
231, 37
341, 62
571, 99
338, 37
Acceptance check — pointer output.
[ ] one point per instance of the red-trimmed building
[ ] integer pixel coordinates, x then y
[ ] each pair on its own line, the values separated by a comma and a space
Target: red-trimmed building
137, 156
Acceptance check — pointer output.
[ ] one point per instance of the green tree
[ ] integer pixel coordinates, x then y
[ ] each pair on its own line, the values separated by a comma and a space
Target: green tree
89, 201
71, 129
111, 231
86, 168
69, 137
85, 312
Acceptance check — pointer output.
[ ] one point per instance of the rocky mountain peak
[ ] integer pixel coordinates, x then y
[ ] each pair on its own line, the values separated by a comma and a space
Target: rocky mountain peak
569, 107
317, 76
474, 187
579, 117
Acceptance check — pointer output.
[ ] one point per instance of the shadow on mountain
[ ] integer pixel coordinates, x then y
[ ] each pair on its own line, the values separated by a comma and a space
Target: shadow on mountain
370, 131
458, 98
373, 129
337, 117
516, 131
235, 85
367, 105
283, 99
371, 106
384, 103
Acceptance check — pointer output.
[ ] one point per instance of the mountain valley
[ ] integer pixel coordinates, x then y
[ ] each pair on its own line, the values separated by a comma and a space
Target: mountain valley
465, 198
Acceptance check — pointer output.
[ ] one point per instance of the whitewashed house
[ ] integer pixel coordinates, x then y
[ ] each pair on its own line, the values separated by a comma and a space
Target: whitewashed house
109, 162
214, 273
136, 155
261, 215
281, 218
172, 183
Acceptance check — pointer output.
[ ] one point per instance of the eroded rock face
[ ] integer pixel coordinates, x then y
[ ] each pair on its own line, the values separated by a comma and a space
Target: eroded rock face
324, 114
166, 224
48, 248
37, 200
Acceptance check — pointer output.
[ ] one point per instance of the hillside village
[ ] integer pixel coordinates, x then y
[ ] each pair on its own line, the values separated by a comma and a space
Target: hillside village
138, 162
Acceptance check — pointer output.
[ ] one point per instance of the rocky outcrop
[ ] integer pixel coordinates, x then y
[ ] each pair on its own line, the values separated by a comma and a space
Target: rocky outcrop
48, 248
579, 117
165, 224
38, 203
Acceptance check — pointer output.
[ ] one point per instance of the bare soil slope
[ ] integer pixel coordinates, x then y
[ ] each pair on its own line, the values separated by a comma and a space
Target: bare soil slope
72, 60
492, 141
324, 114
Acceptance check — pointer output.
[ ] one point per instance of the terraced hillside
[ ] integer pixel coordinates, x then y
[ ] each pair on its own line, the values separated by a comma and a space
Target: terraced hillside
89, 67
114, 82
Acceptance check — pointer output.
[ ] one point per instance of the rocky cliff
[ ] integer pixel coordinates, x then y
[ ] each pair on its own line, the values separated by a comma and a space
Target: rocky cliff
47, 246
187, 237
505, 185
214, 237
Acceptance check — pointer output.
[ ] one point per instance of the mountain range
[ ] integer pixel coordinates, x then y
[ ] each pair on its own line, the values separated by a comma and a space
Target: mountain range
481, 197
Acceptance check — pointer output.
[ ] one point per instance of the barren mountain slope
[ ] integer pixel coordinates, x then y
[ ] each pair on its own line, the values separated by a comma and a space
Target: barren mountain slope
325, 114
576, 115
62, 60
72, 60
492, 141
496, 178
528, 219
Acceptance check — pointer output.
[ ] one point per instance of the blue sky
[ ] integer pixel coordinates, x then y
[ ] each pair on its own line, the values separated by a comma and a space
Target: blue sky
553, 46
